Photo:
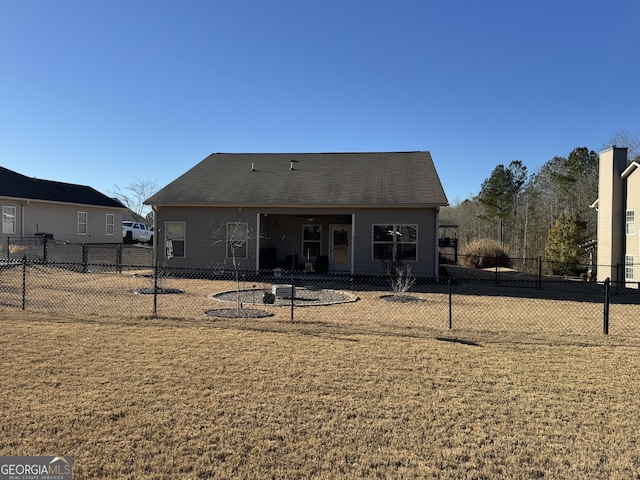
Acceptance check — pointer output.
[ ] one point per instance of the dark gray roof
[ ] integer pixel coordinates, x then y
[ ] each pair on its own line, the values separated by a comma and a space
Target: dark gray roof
317, 179
15, 185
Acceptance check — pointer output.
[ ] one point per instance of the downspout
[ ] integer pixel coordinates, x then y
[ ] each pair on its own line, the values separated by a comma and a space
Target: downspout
22, 217
436, 263
156, 238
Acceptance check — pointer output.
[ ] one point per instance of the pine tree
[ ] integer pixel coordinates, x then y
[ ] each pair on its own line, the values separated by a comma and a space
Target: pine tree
498, 192
563, 248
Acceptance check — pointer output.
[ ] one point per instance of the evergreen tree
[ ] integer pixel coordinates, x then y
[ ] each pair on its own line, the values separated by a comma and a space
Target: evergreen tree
563, 248
577, 178
498, 192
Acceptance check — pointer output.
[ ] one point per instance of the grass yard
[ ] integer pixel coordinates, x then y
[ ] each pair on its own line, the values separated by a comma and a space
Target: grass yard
196, 399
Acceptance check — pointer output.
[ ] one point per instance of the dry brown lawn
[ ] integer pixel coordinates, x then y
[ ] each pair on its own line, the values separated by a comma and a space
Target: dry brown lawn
519, 388
133, 398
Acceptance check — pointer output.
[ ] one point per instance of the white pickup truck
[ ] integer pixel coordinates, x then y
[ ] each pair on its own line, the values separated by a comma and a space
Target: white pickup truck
133, 232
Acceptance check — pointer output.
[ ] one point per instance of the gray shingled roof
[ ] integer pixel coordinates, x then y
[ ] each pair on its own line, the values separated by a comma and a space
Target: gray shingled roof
317, 179
15, 185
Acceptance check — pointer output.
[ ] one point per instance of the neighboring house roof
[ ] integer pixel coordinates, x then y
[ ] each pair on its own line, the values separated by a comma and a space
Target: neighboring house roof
131, 216
317, 179
15, 185
630, 169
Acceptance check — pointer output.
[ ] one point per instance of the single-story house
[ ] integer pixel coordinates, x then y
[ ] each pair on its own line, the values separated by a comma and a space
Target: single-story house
326, 212
617, 204
69, 212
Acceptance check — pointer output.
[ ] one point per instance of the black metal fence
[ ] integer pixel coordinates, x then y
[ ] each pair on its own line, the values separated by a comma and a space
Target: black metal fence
532, 265
494, 300
42, 248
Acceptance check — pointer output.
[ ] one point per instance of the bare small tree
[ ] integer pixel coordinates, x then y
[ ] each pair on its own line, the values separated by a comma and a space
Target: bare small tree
627, 139
237, 236
134, 195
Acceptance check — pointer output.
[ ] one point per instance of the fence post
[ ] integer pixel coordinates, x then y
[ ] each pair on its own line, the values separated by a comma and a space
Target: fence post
119, 258
44, 248
8, 248
450, 304
84, 258
605, 325
292, 288
539, 272
292, 295
24, 282
155, 290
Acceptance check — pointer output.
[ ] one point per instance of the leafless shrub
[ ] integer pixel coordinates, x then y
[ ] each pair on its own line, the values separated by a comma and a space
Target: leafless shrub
484, 253
401, 280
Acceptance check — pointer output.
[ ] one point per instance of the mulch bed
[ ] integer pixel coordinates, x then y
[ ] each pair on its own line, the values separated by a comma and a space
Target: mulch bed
159, 291
235, 313
401, 299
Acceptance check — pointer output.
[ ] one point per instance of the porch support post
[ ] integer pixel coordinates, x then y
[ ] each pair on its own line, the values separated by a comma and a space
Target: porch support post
353, 242
258, 242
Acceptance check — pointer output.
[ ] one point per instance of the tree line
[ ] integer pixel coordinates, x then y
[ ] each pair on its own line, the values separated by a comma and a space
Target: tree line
546, 213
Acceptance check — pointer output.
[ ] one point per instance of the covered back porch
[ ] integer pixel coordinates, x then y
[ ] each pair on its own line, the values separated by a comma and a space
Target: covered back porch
319, 243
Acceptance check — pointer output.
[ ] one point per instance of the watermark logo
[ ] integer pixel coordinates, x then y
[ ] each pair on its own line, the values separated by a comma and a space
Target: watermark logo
36, 468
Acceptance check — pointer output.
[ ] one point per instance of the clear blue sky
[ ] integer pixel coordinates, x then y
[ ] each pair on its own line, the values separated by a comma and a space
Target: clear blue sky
107, 92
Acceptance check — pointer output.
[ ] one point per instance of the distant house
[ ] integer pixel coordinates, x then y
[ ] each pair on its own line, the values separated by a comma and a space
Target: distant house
129, 215
72, 213
617, 204
326, 212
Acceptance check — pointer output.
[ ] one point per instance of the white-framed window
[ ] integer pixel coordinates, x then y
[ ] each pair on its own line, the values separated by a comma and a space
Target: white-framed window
110, 225
175, 234
395, 242
83, 218
311, 241
9, 219
631, 222
237, 239
628, 267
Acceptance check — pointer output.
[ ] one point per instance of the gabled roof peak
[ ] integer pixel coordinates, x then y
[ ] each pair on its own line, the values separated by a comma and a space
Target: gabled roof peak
329, 179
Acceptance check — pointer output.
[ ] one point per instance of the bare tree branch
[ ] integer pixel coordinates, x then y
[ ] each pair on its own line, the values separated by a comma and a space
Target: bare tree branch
134, 195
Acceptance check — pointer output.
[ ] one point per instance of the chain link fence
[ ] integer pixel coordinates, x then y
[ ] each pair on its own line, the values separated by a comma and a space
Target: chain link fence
44, 249
121, 281
536, 266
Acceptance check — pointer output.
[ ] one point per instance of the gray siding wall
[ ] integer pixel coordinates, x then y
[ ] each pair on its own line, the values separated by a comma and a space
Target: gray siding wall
426, 219
281, 229
205, 234
62, 221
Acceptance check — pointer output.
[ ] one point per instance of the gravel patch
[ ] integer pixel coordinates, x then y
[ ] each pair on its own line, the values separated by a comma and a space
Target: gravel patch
303, 297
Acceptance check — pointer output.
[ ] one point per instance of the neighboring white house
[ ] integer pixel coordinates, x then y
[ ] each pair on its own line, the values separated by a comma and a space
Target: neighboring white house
339, 212
72, 213
618, 206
